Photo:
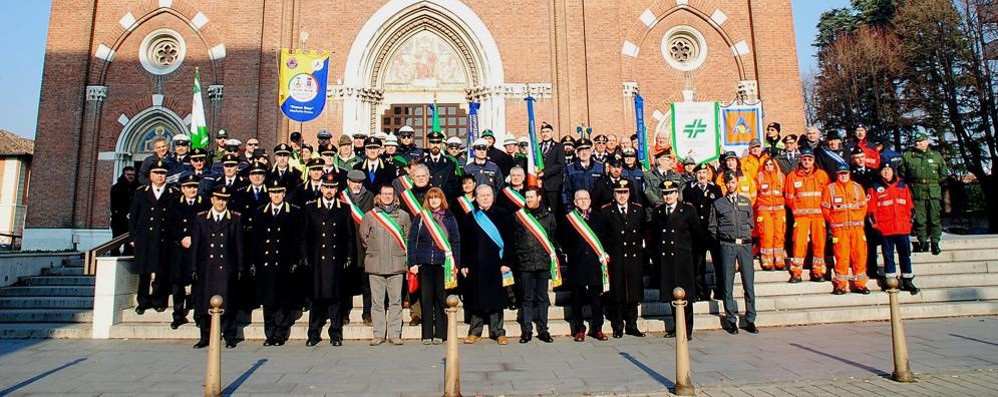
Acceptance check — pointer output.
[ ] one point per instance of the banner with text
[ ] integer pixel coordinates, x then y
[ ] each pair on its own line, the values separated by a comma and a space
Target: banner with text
695, 131
739, 124
303, 76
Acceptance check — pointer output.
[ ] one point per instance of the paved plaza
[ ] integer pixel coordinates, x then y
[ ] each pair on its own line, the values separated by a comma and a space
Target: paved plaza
957, 356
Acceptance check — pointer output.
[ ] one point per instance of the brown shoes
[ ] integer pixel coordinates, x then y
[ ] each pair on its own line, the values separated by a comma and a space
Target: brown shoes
502, 340
471, 339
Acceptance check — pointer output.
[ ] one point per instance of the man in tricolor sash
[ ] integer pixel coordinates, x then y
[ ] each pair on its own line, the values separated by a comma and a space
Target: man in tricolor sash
536, 261
512, 196
587, 270
674, 226
621, 229
383, 234
360, 201
329, 246
489, 250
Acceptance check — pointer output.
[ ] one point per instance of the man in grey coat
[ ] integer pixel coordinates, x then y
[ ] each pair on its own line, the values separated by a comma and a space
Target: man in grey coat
731, 223
383, 235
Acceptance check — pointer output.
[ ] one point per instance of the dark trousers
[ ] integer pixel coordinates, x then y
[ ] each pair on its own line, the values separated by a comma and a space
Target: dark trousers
553, 200
478, 323
119, 227
431, 297
534, 289
872, 241
903, 245
590, 294
346, 302
152, 292
203, 322
320, 311
277, 322
181, 301
688, 313
743, 254
623, 316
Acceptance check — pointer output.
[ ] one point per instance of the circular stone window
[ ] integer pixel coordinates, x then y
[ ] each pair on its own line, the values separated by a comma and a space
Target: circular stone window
684, 48
162, 51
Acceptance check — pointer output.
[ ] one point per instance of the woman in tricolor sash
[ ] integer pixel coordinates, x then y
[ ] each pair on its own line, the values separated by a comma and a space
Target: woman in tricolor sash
434, 247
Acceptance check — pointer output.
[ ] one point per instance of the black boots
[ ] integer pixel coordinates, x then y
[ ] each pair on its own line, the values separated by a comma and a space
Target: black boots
908, 285
935, 249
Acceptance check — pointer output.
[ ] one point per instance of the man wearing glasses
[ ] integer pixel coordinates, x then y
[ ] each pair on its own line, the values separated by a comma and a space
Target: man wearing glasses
485, 172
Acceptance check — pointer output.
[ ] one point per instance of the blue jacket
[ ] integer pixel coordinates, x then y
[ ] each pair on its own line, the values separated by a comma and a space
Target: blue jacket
577, 178
423, 250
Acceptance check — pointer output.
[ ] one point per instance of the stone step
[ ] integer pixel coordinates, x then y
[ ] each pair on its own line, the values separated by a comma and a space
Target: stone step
88, 281
45, 331
73, 262
47, 302
963, 242
35, 315
62, 271
80, 291
357, 331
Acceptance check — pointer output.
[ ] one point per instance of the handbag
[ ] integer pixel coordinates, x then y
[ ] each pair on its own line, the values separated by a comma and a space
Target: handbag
412, 281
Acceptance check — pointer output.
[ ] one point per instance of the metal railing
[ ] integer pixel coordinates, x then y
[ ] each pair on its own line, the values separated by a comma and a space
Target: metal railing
90, 257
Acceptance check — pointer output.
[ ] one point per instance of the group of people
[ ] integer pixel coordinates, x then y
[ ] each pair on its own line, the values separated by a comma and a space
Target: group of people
400, 225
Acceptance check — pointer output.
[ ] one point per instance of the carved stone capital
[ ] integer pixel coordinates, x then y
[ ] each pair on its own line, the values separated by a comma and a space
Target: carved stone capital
748, 90
630, 89
215, 92
96, 93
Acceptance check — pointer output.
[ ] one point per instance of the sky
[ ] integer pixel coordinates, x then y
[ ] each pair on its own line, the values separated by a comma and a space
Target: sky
23, 35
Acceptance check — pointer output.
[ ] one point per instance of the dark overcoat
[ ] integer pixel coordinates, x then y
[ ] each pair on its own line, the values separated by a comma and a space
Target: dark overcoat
671, 238
181, 226
277, 245
148, 224
622, 236
483, 288
217, 252
329, 239
583, 262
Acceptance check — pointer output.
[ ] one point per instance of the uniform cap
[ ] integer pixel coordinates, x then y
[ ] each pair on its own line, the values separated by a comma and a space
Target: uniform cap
181, 138
488, 133
372, 142
509, 140
258, 168
841, 168
324, 134
327, 150
356, 175
435, 137
689, 161
230, 159
159, 166
522, 140
568, 141
754, 142
700, 167
275, 186
406, 131
622, 184
345, 140
544, 124
381, 135
315, 163
221, 191
583, 144
789, 138
329, 179
358, 135
615, 160
453, 141
199, 153
856, 151
921, 137
282, 149
189, 179
391, 140
806, 151
729, 154
630, 153
600, 138
480, 143
668, 186
730, 176
832, 135
221, 134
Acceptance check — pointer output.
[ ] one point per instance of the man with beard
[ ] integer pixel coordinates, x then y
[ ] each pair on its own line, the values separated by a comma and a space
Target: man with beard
359, 200
329, 245
181, 261
148, 221
701, 195
217, 248
673, 226
489, 250
603, 189
443, 170
122, 193
277, 247
621, 229
568, 143
554, 163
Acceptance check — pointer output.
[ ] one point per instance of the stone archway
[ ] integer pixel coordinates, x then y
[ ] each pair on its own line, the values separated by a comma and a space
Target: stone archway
136, 136
394, 25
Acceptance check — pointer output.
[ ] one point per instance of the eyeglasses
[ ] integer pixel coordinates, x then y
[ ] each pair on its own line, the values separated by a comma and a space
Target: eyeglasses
182, 143
522, 145
481, 147
198, 160
252, 144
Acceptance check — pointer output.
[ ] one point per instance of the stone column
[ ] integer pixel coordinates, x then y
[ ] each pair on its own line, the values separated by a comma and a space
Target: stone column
87, 166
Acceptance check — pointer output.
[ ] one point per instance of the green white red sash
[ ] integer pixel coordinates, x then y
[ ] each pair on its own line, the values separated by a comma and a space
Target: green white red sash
514, 196
587, 234
443, 243
466, 204
355, 211
391, 227
406, 182
535, 228
410, 201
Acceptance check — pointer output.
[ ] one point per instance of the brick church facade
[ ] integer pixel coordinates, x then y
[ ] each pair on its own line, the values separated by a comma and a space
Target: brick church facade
119, 73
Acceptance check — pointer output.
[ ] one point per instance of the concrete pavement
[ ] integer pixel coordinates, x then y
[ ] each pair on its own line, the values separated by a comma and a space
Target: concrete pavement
956, 356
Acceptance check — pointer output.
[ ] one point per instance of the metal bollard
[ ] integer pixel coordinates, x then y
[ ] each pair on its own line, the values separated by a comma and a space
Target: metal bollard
213, 371
684, 386
452, 369
902, 373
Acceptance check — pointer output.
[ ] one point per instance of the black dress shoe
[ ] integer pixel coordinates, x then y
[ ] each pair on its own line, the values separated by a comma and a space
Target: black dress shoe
312, 342
201, 344
816, 279
160, 309
750, 328
140, 310
525, 339
230, 344
618, 334
935, 249
635, 332
670, 334
731, 329
545, 337
268, 342
336, 342
838, 291
279, 343
794, 280
864, 291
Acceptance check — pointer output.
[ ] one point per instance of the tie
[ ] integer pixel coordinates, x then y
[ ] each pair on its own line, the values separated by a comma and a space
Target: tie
370, 174
256, 194
731, 198
329, 205
668, 211
276, 211
218, 218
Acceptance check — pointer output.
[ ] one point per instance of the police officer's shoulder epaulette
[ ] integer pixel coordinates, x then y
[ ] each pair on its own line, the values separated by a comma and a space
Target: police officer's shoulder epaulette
637, 205
606, 206
145, 188
235, 213
310, 202
202, 213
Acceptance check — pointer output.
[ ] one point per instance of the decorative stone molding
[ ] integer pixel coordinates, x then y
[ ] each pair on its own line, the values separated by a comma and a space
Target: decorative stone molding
432, 24
96, 93
215, 92
370, 95
510, 91
630, 89
748, 90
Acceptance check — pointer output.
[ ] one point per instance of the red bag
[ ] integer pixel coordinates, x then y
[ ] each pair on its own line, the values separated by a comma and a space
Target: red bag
412, 281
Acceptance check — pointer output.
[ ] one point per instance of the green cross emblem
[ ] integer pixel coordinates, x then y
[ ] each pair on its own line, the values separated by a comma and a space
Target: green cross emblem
695, 128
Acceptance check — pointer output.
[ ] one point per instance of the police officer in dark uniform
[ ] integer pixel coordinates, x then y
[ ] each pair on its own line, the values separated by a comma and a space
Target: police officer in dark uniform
581, 174
554, 165
701, 194
217, 248
603, 189
286, 175
674, 225
379, 172
229, 177
568, 145
122, 193
731, 223
443, 170
277, 244
148, 221
310, 190
600, 153
482, 169
190, 204
621, 229
329, 240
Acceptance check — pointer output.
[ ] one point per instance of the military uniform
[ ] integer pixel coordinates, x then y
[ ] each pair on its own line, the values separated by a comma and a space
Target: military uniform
622, 234
672, 229
379, 172
702, 197
181, 261
217, 246
148, 221
924, 171
329, 240
731, 223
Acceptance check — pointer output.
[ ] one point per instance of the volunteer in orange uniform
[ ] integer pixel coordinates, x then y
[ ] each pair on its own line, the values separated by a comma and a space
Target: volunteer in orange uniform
746, 182
844, 205
803, 194
752, 162
771, 217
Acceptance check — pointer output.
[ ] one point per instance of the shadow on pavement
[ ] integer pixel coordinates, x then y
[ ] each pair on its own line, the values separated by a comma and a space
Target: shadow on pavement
40, 376
867, 368
231, 388
654, 375
974, 339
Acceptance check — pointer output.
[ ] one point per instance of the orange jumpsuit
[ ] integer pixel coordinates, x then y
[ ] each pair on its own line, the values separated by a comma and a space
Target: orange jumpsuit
751, 165
844, 206
771, 219
746, 185
803, 194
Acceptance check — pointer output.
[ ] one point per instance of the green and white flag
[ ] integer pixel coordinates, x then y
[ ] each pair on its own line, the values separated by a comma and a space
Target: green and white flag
199, 127
695, 131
